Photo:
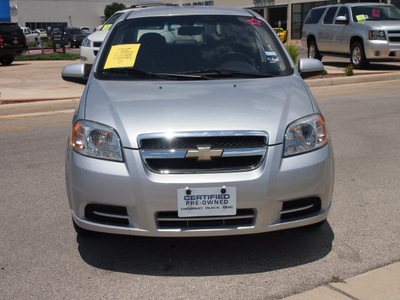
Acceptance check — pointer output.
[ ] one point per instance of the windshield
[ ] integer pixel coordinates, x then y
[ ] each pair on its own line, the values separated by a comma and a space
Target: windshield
111, 21
375, 13
192, 47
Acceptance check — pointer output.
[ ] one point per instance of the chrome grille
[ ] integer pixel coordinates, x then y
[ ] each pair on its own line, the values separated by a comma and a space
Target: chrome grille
97, 44
193, 152
394, 35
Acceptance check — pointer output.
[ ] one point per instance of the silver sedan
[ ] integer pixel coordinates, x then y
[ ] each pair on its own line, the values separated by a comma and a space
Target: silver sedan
196, 122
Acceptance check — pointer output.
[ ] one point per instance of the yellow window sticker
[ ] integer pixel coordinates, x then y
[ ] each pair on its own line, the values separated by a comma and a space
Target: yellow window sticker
106, 27
122, 56
361, 18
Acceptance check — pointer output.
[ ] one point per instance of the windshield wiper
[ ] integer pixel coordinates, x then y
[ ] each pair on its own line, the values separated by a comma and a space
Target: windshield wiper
130, 71
142, 74
214, 73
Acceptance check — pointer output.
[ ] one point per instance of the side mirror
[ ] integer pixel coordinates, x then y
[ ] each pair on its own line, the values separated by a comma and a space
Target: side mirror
308, 67
74, 73
342, 20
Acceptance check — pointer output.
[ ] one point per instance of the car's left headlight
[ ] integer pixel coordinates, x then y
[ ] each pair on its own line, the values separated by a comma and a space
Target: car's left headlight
304, 135
85, 42
96, 140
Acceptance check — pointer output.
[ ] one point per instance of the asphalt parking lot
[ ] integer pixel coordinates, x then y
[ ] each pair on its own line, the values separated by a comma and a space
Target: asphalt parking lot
60, 256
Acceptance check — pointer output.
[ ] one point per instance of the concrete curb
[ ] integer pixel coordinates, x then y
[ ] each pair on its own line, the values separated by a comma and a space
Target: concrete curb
352, 79
22, 100
379, 284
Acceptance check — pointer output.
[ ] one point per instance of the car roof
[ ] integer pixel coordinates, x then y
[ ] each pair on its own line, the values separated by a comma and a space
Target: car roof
357, 4
186, 11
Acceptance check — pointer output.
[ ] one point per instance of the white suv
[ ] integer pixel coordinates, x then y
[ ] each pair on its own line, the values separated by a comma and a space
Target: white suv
362, 31
91, 44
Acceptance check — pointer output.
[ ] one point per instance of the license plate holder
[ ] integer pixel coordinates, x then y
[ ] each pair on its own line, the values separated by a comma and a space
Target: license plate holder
205, 202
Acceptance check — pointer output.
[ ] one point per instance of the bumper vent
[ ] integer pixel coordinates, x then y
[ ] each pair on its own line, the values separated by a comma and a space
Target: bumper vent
209, 151
170, 220
107, 214
294, 209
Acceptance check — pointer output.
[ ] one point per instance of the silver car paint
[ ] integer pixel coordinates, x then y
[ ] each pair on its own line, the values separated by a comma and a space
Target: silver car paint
169, 106
265, 104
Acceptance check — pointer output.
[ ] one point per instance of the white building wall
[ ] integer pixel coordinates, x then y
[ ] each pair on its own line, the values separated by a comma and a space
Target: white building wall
75, 13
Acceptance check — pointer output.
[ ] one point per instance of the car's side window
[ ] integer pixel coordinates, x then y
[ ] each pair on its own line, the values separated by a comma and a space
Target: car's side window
343, 12
314, 16
330, 15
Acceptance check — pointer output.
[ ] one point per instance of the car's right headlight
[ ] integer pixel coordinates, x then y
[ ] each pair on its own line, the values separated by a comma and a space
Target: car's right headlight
377, 35
304, 135
85, 42
96, 140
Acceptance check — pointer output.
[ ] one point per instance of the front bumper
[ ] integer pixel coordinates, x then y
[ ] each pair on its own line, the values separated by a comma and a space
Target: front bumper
144, 195
382, 50
13, 51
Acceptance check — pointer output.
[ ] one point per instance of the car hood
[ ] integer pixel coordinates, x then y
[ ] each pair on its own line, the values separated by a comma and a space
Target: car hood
386, 25
98, 35
138, 107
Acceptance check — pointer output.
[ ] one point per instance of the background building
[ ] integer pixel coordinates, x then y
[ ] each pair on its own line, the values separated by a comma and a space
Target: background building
40, 14
288, 14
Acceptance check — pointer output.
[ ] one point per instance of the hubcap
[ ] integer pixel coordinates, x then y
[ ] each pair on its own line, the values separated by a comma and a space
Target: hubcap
311, 51
356, 56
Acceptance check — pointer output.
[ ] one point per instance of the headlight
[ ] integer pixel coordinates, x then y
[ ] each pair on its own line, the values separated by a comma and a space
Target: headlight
96, 140
377, 35
305, 134
85, 42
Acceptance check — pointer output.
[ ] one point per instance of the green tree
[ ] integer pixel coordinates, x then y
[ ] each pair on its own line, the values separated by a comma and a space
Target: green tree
110, 9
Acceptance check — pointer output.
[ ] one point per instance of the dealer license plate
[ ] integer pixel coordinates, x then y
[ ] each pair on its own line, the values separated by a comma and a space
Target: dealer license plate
202, 202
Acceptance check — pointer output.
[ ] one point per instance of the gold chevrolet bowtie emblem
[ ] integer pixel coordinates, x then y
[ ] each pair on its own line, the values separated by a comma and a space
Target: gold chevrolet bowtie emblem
204, 153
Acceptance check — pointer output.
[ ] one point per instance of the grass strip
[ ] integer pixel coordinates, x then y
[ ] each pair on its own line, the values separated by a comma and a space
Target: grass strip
48, 56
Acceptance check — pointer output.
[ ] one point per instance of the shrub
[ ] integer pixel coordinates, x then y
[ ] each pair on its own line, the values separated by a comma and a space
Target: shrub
294, 52
349, 70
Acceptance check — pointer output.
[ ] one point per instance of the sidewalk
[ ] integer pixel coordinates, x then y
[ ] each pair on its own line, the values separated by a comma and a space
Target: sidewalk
379, 284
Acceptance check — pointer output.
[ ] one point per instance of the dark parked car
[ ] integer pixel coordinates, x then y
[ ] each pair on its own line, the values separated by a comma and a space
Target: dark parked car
12, 42
73, 36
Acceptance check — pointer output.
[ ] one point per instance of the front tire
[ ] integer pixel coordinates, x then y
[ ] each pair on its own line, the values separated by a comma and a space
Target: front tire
357, 57
312, 50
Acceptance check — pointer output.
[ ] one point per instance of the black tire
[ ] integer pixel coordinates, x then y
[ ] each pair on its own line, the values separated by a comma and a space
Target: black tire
357, 55
312, 50
6, 61
81, 231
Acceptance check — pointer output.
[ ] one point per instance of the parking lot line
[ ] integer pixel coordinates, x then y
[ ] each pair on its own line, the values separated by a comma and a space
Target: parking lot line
32, 121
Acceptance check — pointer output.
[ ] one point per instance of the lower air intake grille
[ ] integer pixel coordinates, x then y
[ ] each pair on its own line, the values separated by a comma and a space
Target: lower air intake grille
170, 220
299, 208
107, 214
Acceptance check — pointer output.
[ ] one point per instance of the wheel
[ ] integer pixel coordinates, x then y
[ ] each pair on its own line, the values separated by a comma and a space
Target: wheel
357, 57
312, 51
81, 231
6, 61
